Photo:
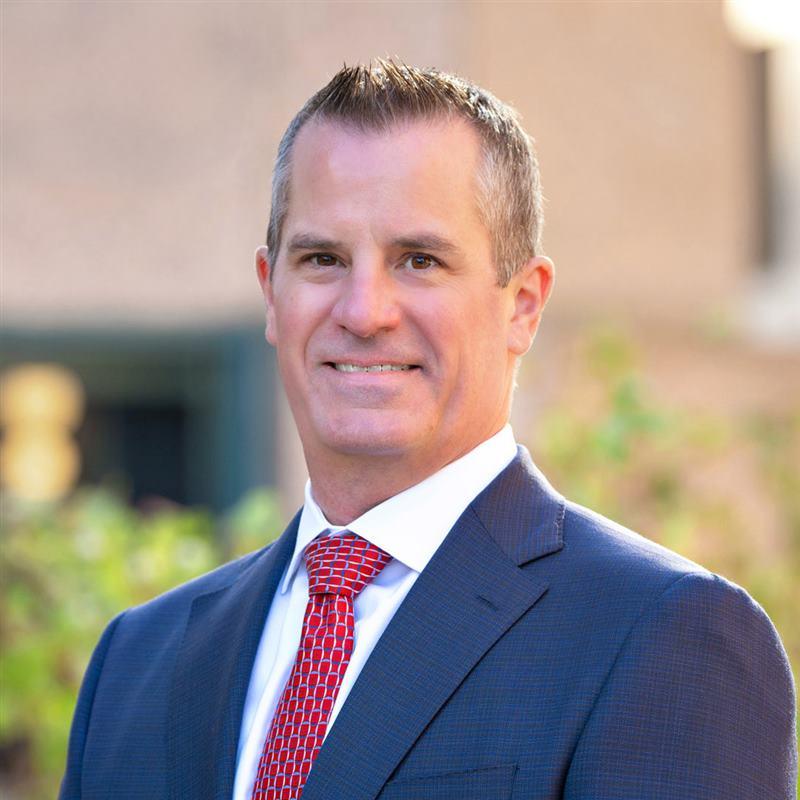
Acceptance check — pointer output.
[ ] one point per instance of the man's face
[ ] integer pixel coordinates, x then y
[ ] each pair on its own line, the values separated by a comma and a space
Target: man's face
393, 337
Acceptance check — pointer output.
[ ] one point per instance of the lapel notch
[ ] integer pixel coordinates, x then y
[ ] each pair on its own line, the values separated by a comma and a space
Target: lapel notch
522, 512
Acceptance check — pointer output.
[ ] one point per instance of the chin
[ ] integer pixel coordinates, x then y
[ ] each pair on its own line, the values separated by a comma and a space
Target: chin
367, 443
365, 437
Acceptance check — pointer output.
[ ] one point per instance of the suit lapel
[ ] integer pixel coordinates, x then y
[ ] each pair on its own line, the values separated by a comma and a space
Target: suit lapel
212, 673
470, 593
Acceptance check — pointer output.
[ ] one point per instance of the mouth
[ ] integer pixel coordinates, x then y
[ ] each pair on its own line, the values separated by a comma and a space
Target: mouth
344, 366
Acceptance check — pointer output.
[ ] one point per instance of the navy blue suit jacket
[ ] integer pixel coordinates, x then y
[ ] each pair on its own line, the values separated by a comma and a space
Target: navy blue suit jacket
543, 653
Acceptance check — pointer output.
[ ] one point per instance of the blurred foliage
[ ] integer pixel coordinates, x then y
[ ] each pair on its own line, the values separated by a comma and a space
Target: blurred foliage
723, 491
67, 569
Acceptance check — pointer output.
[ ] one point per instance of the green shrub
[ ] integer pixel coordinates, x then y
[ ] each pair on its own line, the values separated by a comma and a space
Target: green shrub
67, 570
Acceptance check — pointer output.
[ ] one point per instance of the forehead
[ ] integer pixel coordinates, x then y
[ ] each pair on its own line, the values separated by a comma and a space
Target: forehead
322, 140
417, 168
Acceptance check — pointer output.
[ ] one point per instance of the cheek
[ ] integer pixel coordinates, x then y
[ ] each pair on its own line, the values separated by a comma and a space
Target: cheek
476, 356
484, 336
291, 319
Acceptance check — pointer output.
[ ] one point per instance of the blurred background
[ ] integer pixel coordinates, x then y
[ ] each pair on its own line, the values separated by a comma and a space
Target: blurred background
145, 437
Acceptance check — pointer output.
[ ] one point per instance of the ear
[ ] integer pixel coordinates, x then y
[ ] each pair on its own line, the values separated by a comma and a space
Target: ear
264, 273
530, 288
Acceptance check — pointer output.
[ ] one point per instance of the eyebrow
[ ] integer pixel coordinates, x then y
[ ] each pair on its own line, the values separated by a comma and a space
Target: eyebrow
425, 241
418, 241
307, 241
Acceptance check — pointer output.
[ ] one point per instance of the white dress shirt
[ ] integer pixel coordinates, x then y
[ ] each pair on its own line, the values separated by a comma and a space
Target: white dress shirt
410, 527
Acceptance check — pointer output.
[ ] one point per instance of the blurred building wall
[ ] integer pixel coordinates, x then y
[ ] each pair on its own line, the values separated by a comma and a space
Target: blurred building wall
138, 140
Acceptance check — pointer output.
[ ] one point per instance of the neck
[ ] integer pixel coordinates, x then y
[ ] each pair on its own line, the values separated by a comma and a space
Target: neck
346, 490
345, 487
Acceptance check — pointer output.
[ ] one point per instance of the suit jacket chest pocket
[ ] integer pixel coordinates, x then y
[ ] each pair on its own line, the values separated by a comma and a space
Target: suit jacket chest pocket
492, 783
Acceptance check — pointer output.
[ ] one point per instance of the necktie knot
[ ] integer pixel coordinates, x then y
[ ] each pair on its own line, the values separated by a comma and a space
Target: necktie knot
342, 565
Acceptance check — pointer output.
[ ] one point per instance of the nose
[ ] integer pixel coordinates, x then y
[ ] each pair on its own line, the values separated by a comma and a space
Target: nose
368, 303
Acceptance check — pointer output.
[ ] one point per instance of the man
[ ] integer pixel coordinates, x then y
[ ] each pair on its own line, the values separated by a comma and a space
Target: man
437, 622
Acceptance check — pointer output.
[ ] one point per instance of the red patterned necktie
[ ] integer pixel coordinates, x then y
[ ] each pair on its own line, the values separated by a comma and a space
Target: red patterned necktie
339, 567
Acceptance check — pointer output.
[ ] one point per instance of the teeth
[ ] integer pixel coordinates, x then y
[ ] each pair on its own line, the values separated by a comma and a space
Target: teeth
372, 367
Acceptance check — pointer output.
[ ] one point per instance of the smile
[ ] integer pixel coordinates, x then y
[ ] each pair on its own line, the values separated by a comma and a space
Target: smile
372, 367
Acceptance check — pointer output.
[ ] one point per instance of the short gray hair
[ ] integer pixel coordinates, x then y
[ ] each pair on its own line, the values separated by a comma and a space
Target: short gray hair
385, 93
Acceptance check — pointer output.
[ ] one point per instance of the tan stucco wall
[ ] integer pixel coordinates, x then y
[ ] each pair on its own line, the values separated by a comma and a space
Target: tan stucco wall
138, 142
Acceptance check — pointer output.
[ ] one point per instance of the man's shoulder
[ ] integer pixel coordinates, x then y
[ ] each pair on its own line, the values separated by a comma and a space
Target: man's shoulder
625, 568
179, 598
530, 519
600, 542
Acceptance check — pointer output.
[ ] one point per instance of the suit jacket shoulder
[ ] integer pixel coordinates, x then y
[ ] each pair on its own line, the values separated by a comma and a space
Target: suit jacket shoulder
160, 704
178, 600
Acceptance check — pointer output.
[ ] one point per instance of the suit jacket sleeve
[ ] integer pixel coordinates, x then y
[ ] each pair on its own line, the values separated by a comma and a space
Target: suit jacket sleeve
699, 704
71, 783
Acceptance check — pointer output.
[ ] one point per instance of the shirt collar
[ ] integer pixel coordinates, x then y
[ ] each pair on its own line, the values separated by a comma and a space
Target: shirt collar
411, 525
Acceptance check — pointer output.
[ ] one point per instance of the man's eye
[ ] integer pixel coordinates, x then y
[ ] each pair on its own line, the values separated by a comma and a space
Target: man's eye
323, 260
420, 261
